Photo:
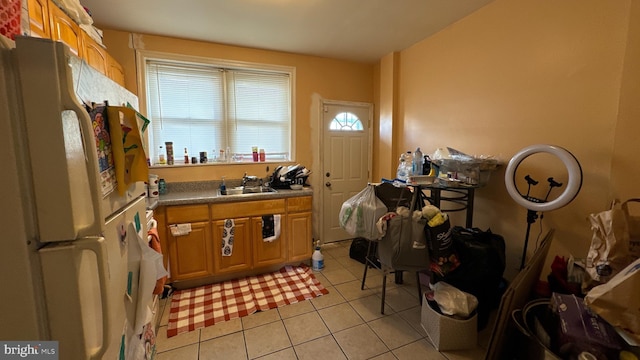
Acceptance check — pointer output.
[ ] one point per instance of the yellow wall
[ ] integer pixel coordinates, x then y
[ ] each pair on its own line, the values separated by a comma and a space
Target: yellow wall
522, 72
513, 74
326, 78
387, 132
625, 171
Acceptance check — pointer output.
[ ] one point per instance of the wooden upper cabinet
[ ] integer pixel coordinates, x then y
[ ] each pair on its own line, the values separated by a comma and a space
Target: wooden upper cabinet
64, 29
39, 18
115, 70
94, 54
47, 20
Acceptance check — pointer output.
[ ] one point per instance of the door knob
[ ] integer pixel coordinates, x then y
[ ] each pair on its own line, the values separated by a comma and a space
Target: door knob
328, 184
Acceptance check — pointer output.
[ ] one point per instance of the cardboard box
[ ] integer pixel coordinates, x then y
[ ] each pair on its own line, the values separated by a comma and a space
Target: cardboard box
446, 332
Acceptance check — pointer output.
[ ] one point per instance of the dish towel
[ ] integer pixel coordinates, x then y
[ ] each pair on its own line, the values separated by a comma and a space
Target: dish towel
228, 232
270, 227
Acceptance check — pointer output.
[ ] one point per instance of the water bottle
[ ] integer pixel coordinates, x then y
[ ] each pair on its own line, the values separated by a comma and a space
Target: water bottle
417, 162
401, 173
317, 259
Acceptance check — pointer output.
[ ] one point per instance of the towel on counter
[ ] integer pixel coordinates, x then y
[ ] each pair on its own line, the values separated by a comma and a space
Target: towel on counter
270, 227
228, 232
128, 153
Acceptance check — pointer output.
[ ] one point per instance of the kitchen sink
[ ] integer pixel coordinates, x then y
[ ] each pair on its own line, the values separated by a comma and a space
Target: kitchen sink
257, 189
239, 190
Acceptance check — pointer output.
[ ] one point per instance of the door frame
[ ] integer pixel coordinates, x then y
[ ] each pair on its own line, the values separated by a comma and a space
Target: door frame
318, 183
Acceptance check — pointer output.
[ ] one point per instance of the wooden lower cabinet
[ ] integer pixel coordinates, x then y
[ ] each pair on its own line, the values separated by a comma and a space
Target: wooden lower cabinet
299, 235
240, 258
191, 255
268, 253
198, 255
299, 231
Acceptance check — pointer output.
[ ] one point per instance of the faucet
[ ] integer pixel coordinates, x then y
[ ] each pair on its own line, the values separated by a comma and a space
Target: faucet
246, 179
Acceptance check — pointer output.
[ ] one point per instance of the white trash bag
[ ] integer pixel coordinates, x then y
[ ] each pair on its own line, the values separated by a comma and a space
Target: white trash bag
453, 301
359, 214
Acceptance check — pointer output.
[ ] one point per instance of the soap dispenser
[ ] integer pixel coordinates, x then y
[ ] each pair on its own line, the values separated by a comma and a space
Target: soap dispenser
223, 187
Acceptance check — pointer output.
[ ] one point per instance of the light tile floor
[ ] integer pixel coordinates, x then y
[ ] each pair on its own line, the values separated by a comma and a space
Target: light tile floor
345, 324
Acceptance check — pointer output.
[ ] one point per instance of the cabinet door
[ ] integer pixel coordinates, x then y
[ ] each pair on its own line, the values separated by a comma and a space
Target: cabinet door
240, 258
191, 255
95, 54
39, 18
65, 30
299, 235
268, 253
115, 71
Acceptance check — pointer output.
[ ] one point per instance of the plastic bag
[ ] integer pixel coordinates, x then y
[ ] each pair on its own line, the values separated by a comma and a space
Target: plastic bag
453, 301
617, 300
444, 258
358, 215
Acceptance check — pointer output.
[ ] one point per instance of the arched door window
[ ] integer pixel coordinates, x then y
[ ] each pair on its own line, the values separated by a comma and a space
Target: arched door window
346, 121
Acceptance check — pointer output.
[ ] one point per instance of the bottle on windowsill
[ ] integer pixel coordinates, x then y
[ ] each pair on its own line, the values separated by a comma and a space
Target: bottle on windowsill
161, 159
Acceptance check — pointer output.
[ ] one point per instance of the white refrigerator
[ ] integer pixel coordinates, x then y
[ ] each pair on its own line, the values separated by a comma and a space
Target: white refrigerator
69, 250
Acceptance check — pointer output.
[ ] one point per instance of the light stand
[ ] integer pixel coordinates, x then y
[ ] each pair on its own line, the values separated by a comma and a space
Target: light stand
532, 204
531, 218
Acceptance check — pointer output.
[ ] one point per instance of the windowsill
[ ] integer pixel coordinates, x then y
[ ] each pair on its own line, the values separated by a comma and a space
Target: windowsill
182, 165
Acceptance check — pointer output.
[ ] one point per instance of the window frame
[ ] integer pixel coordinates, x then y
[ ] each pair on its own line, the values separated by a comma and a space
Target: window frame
142, 56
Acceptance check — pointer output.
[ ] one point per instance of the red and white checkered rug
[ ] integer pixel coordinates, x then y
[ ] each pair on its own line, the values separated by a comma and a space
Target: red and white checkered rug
210, 304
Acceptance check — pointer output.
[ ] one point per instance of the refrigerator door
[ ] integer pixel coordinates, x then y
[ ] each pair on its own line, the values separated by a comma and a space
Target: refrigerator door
63, 156
63, 160
89, 288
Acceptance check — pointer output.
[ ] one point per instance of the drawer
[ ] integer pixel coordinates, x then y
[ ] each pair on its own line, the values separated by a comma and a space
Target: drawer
302, 203
187, 213
249, 208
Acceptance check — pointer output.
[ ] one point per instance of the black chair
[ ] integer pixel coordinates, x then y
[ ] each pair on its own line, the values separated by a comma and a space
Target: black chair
396, 242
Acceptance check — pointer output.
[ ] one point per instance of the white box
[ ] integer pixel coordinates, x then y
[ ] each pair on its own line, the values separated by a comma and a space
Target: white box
446, 332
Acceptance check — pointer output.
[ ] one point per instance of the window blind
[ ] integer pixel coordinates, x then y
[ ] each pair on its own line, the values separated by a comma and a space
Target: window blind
208, 108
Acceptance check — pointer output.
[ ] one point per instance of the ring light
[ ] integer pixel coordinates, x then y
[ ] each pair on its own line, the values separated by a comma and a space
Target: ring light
573, 184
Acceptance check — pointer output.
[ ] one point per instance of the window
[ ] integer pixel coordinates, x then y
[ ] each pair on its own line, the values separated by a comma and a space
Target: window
209, 106
346, 121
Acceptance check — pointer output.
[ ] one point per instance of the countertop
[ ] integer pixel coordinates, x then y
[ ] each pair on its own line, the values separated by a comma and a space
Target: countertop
208, 193
213, 196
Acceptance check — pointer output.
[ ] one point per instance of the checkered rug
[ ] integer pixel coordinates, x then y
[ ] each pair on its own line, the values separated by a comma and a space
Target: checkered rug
210, 304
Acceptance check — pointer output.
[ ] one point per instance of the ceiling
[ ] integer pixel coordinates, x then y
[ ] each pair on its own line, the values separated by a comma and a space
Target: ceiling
356, 30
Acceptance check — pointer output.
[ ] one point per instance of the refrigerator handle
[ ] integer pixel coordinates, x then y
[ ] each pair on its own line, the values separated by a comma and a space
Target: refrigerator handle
70, 102
99, 247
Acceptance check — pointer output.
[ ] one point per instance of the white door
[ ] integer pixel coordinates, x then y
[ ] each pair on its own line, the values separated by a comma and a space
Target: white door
346, 160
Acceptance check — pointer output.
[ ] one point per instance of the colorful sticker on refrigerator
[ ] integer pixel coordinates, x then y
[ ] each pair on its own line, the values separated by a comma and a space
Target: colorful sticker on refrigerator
136, 220
102, 138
